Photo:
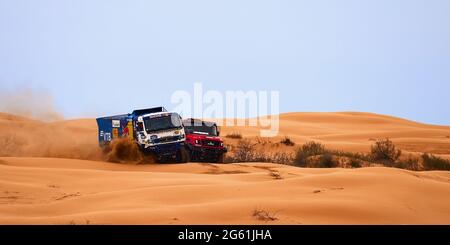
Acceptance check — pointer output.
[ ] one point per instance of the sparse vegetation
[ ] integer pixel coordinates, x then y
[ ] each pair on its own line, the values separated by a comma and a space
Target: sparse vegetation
245, 151
355, 163
263, 215
432, 162
307, 150
72, 222
385, 151
234, 135
351, 155
287, 141
281, 157
275, 174
315, 155
327, 161
263, 140
410, 163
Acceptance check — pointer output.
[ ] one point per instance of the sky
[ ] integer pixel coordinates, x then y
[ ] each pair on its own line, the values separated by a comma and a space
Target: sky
97, 58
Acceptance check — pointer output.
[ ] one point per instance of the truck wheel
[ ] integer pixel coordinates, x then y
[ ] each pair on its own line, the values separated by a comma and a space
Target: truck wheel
149, 158
183, 155
220, 158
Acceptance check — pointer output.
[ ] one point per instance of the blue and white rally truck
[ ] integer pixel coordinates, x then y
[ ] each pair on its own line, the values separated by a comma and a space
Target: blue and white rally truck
155, 130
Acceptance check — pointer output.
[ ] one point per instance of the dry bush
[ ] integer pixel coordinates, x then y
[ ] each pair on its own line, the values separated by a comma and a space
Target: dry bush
275, 174
244, 152
432, 162
351, 155
385, 151
287, 141
234, 135
263, 140
306, 150
355, 163
264, 215
282, 158
410, 163
327, 161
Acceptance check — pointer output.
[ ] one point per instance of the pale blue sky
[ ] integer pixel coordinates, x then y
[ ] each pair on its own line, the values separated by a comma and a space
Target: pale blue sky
101, 57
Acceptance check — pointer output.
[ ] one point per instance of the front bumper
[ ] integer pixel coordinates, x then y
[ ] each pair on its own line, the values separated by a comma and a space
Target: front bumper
167, 149
207, 151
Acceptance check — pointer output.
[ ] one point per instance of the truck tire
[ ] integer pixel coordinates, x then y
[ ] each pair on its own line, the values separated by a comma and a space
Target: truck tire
220, 158
149, 158
183, 155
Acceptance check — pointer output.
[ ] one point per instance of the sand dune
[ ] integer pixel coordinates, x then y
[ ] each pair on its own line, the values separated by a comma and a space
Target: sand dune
43, 180
62, 191
352, 131
356, 131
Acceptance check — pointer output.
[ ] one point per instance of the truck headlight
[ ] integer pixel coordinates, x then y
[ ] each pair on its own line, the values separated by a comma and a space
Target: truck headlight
197, 142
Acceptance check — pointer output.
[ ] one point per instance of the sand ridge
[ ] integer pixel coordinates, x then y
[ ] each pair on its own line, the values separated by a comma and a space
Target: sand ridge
64, 191
44, 179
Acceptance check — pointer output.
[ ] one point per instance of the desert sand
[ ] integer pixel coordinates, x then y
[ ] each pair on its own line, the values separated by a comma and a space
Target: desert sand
53, 173
356, 131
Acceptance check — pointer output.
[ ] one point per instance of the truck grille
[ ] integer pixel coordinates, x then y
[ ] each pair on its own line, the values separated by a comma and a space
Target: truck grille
166, 139
211, 143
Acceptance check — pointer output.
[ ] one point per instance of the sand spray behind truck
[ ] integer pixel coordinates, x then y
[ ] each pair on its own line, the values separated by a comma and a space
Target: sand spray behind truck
75, 139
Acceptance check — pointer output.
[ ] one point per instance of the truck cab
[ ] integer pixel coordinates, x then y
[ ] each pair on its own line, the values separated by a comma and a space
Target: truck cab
155, 130
203, 140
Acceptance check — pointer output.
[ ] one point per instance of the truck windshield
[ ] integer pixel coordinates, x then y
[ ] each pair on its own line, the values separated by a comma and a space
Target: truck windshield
203, 129
161, 123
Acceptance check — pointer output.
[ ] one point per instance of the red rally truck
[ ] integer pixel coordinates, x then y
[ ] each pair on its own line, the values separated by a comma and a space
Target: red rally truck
203, 141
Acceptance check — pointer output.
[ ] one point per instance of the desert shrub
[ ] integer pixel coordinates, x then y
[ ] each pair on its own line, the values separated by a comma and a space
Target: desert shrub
306, 150
264, 215
234, 135
275, 174
282, 158
355, 163
410, 163
326, 161
244, 152
352, 155
263, 140
258, 156
385, 152
432, 162
287, 141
